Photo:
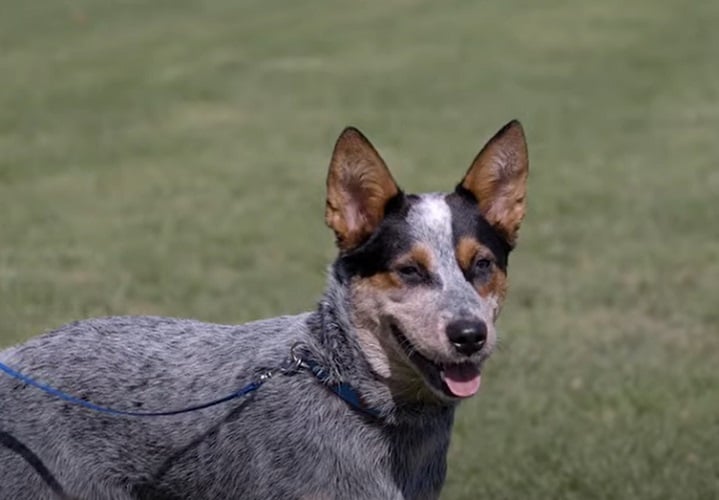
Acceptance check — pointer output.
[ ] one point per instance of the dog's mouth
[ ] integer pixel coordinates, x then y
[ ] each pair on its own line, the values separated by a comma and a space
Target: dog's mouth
455, 380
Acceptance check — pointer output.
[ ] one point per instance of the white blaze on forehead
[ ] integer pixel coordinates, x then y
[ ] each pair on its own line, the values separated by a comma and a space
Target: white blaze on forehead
435, 211
431, 223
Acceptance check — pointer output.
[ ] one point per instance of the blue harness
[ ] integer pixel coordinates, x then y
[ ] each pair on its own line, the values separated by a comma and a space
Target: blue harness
295, 363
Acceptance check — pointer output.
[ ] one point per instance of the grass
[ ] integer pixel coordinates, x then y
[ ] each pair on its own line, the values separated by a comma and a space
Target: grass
168, 157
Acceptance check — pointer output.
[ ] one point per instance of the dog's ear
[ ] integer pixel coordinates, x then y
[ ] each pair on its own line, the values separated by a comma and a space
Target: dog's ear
359, 185
498, 180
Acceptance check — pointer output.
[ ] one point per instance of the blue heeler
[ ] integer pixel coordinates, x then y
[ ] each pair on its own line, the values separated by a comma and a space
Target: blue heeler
405, 325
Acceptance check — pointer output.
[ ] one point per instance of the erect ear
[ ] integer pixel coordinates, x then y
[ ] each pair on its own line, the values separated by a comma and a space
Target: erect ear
498, 180
359, 185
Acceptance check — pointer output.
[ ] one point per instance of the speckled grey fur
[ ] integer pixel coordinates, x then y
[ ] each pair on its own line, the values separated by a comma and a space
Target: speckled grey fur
292, 439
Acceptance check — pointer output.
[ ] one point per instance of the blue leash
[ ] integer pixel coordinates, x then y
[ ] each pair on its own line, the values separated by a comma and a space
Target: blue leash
251, 387
343, 390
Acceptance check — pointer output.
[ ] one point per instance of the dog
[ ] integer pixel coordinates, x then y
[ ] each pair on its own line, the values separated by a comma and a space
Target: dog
405, 325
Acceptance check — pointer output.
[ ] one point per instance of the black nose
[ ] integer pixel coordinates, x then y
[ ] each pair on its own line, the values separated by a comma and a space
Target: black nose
467, 335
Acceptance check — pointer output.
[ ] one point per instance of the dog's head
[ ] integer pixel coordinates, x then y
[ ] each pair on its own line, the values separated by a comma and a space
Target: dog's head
426, 274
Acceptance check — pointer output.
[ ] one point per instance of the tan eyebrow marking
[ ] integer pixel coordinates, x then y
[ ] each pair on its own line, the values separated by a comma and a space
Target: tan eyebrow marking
467, 248
419, 254
466, 251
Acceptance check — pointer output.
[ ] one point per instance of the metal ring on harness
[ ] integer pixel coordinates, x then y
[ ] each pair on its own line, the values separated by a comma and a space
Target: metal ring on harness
295, 361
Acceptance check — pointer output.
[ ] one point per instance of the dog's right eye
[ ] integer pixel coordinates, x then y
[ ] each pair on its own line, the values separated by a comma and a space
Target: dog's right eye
411, 272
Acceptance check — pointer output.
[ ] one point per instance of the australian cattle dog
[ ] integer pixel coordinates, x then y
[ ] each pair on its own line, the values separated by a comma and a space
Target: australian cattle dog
398, 339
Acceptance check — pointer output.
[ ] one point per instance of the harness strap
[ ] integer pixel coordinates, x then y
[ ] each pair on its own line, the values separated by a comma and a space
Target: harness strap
13, 444
344, 390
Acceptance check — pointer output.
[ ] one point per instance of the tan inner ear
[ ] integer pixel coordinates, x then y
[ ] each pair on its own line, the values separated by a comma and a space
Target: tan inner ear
502, 203
498, 180
359, 185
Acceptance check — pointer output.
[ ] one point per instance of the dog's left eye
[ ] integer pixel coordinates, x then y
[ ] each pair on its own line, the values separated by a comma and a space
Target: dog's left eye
482, 265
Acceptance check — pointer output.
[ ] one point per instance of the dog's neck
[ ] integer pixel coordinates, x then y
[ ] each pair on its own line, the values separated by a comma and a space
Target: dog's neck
337, 347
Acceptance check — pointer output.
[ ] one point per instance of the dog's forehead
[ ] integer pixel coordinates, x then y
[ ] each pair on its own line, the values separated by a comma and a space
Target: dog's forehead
430, 222
440, 221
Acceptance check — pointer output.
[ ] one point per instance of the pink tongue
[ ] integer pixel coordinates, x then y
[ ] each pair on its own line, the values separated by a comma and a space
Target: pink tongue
462, 380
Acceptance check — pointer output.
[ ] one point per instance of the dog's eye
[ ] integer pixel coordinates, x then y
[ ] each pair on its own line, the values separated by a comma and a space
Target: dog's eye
411, 272
482, 265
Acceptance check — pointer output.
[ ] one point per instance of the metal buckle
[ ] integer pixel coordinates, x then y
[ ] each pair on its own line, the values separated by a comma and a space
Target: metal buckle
294, 362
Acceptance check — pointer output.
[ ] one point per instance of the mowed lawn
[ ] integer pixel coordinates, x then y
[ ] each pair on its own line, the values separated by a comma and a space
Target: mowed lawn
168, 157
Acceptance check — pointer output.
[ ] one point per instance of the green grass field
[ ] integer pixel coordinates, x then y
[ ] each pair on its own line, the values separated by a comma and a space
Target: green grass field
168, 157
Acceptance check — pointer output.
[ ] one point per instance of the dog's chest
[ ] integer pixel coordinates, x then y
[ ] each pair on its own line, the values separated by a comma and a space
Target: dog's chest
420, 459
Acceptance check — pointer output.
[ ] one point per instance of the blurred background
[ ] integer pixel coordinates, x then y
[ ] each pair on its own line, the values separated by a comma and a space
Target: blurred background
169, 157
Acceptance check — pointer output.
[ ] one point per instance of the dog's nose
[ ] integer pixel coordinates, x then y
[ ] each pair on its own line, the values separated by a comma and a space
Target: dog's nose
467, 335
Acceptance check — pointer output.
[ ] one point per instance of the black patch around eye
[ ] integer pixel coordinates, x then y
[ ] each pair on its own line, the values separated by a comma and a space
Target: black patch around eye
467, 221
390, 240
